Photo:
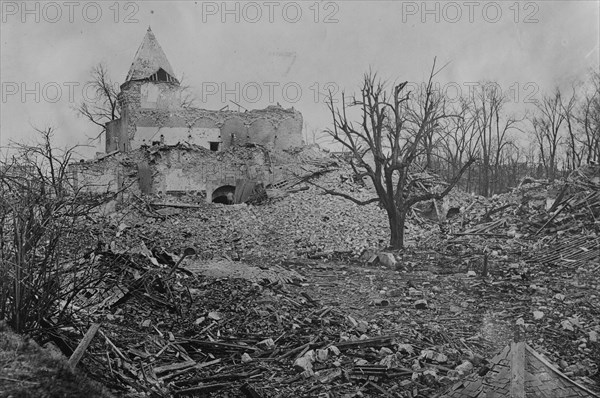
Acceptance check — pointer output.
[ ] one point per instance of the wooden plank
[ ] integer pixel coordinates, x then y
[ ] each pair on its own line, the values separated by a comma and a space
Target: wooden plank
243, 190
372, 342
145, 177
177, 205
517, 370
174, 366
114, 347
185, 370
558, 372
83, 345
201, 390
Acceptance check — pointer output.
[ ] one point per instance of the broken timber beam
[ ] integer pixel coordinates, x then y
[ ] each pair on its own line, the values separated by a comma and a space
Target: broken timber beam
201, 390
177, 205
250, 392
174, 366
83, 345
373, 342
517, 370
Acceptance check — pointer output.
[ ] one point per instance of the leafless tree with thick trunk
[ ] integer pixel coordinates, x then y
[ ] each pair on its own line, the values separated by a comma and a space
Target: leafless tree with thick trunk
389, 132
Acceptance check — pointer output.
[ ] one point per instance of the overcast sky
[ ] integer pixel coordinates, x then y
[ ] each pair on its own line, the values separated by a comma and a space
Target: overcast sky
262, 53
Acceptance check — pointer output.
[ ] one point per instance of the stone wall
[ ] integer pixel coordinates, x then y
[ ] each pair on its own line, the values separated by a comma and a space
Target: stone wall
184, 168
152, 109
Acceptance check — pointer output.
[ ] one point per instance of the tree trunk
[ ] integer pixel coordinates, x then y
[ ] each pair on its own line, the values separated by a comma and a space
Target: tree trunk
397, 220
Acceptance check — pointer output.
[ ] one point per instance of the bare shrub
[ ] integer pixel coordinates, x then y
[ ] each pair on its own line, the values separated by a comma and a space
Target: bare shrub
40, 211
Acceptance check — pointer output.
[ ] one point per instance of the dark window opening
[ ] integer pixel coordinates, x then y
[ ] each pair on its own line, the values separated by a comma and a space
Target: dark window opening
162, 76
214, 146
224, 195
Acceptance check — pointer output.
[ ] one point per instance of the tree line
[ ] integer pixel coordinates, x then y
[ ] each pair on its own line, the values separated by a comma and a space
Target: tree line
560, 133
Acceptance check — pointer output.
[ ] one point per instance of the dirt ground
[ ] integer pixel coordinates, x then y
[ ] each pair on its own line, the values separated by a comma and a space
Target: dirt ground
293, 298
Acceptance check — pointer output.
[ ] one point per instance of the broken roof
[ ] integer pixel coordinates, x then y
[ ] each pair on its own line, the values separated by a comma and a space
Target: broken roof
149, 59
519, 372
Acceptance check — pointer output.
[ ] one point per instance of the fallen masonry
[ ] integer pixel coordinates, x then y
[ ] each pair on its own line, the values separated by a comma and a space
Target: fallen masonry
278, 301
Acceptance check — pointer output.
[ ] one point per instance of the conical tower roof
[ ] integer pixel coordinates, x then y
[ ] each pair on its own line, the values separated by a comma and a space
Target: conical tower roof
149, 59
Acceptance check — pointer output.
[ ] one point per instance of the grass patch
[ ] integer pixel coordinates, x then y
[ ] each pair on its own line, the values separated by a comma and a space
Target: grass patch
27, 370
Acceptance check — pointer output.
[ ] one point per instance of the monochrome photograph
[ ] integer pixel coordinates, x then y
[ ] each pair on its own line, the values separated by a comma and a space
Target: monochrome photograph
311, 199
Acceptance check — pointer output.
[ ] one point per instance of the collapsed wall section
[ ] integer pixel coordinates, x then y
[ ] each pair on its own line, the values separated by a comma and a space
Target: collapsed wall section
154, 112
184, 168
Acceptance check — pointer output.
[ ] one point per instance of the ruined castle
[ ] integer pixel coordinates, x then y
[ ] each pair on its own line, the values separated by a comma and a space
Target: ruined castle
161, 145
153, 110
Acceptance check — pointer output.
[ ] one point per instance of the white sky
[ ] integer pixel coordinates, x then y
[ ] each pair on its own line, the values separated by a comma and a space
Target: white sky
558, 44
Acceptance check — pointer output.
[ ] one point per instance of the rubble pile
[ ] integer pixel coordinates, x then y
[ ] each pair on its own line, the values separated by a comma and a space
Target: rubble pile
170, 328
185, 334
306, 223
218, 300
538, 212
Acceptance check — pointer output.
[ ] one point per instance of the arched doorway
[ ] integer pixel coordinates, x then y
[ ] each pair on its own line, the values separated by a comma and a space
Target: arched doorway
224, 195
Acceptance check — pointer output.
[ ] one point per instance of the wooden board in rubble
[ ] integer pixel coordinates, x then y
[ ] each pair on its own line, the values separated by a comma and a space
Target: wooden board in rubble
519, 372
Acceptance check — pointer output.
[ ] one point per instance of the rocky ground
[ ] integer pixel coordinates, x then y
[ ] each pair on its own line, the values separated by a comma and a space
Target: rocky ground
290, 298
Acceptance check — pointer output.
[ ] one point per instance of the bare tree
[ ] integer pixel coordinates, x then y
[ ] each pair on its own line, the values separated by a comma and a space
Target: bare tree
547, 130
394, 138
574, 154
431, 136
460, 140
104, 106
186, 95
588, 117
314, 135
492, 126
40, 211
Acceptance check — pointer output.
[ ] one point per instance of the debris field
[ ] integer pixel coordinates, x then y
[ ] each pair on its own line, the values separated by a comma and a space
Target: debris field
297, 296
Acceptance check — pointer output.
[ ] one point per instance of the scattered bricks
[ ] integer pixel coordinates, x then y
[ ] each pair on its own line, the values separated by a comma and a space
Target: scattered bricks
334, 350
464, 368
351, 321
381, 302
387, 259
367, 255
304, 364
384, 351
322, 355
373, 260
327, 376
267, 343
421, 304
246, 358
362, 326
308, 373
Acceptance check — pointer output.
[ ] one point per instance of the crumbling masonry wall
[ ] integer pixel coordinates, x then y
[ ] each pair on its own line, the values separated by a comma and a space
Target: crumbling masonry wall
183, 168
152, 112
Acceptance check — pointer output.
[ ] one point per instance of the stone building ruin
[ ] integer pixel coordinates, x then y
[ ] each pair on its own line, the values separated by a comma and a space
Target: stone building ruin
161, 145
153, 111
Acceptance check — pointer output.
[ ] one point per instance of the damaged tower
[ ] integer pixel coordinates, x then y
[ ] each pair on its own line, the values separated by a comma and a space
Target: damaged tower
161, 145
154, 111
